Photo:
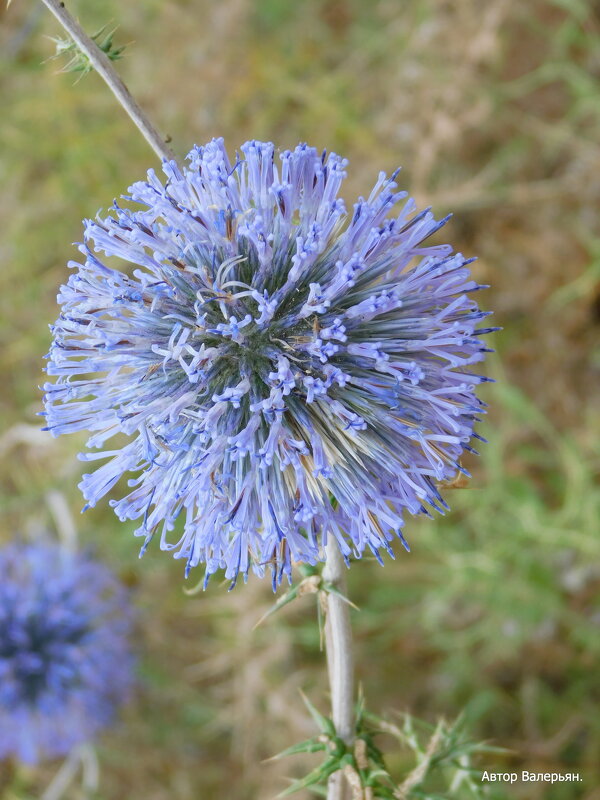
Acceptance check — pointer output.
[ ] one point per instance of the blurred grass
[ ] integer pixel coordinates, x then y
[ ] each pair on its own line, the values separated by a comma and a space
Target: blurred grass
493, 111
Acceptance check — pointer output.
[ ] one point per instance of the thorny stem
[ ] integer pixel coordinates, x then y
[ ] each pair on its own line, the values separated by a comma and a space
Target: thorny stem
338, 632
103, 66
340, 664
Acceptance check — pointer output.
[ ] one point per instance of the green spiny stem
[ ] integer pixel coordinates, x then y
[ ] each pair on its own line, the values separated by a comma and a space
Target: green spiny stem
103, 66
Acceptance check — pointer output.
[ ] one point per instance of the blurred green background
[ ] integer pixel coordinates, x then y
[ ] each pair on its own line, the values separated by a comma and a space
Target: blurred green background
493, 110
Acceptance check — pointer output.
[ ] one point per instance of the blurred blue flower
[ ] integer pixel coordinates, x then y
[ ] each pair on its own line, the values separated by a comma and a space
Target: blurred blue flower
287, 371
65, 662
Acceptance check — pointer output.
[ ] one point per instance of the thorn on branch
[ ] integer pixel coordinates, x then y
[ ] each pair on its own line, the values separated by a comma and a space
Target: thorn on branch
80, 61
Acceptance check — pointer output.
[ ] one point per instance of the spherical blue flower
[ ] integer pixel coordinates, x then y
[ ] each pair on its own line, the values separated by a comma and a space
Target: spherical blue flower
286, 371
65, 662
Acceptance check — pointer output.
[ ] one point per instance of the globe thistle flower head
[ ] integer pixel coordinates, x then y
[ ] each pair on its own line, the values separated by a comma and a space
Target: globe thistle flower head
287, 371
65, 663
